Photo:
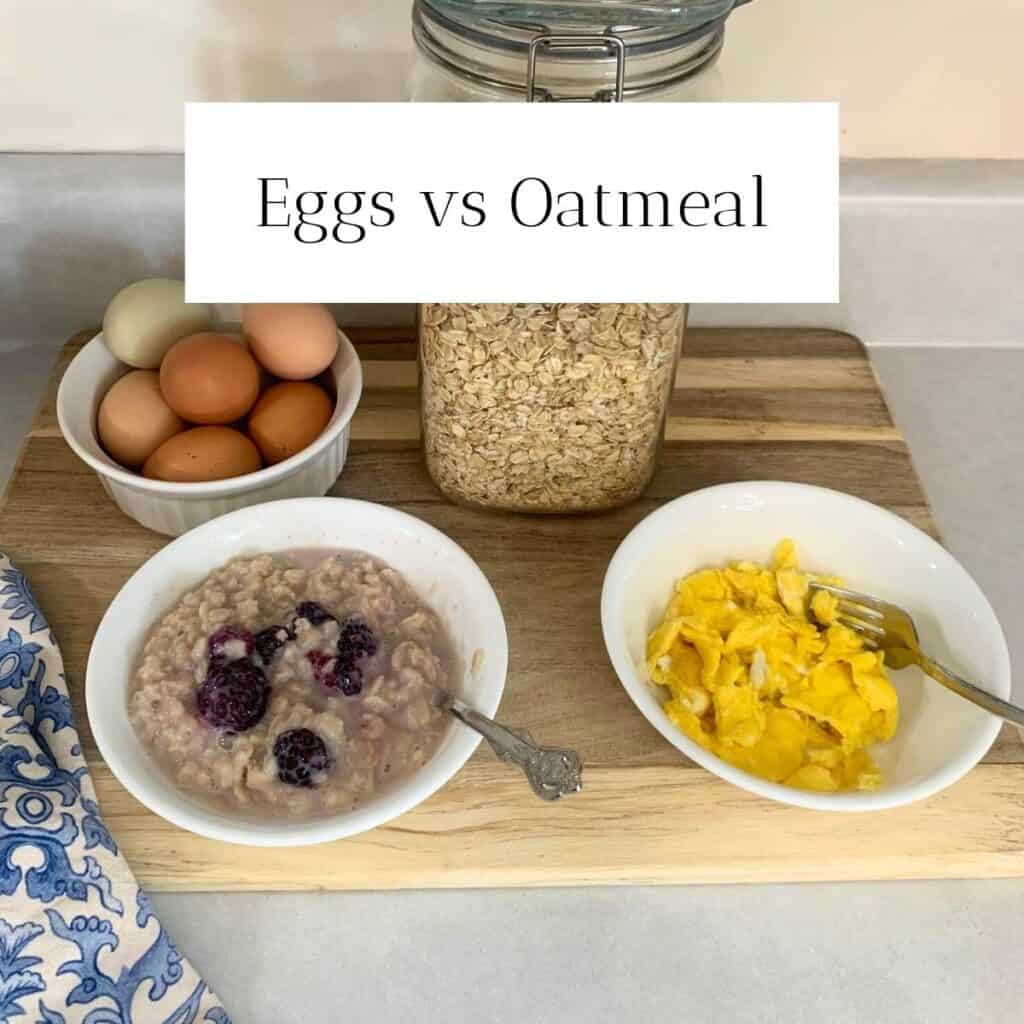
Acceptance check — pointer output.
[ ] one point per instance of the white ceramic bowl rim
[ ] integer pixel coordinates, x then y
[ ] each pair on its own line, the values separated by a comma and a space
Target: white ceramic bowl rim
183, 811
344, 410
617, 571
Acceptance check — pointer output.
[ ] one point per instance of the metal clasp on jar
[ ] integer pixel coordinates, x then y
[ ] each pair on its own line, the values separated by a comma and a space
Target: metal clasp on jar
549, 42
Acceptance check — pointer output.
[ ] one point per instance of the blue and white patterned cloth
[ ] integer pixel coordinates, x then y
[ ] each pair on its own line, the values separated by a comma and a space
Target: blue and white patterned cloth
79, 943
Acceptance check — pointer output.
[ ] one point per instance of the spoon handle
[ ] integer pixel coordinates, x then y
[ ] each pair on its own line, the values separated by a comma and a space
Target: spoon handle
553, 772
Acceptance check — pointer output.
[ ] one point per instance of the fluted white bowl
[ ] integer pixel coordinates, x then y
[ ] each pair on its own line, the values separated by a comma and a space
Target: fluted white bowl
173, 508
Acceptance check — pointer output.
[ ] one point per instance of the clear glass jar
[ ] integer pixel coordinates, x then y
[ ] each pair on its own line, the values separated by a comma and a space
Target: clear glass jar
574, 50
555, 407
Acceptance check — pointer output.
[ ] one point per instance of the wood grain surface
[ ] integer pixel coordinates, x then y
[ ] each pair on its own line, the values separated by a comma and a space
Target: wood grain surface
749, 404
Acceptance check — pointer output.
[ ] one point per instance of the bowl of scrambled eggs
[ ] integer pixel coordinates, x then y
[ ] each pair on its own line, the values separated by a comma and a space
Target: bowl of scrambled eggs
719, 639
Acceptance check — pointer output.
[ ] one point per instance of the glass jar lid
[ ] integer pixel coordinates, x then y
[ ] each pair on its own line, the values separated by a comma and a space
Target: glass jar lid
576, 50
591, 15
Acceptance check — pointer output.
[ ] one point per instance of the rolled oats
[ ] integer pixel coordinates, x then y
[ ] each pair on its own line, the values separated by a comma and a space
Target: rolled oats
553, 407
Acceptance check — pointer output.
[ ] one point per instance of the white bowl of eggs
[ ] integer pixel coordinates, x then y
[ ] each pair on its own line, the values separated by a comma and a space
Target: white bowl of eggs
184, 420
938, 737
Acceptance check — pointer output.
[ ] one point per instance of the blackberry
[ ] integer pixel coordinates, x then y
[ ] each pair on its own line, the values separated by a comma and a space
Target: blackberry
315, 614
350, 680
301, 756
229, 643
356, 640
269, 641
331, 671
356, 643
342, 671
325, 669
233, 696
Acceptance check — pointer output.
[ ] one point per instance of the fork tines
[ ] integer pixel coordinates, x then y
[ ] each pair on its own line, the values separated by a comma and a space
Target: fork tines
858, 612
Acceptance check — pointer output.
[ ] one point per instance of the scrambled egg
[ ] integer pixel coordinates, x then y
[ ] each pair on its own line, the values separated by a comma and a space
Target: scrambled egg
757, 682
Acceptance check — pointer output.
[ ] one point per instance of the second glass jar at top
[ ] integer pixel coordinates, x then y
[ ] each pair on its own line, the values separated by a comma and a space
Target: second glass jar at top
546, 407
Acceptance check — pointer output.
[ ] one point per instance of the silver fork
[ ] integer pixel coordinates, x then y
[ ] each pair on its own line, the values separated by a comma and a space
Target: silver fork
891, 630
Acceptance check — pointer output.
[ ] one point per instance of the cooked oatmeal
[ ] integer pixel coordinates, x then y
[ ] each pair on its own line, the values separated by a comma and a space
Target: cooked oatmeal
296, 683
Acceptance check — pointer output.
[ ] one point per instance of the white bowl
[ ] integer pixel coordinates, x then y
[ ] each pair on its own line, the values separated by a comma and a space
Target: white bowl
172, 508
441, 572
940, 736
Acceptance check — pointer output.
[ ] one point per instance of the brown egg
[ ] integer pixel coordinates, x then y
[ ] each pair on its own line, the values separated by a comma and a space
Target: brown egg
288, 417
134, 420
208, 378
295, 341
201, 454
266, 377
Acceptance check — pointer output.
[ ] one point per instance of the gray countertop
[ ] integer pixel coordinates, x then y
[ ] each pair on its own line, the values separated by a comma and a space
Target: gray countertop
906, 952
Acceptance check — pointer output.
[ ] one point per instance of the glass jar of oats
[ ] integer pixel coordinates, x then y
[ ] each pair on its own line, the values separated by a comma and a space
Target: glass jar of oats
553, 407
556, 407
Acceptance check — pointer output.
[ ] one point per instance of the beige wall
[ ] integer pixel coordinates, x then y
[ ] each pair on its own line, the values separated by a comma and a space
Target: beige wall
916, 78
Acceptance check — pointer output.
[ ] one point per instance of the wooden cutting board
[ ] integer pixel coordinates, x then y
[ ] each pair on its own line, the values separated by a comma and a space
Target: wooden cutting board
778, 404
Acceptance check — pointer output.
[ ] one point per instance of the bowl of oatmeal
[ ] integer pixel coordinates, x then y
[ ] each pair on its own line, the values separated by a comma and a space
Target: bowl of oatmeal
271, 677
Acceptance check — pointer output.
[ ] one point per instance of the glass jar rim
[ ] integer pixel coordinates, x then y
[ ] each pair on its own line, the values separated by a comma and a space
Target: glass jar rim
588, 16
565, 62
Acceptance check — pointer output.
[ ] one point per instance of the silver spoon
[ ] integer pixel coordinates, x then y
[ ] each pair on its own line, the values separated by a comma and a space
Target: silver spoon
553, 772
